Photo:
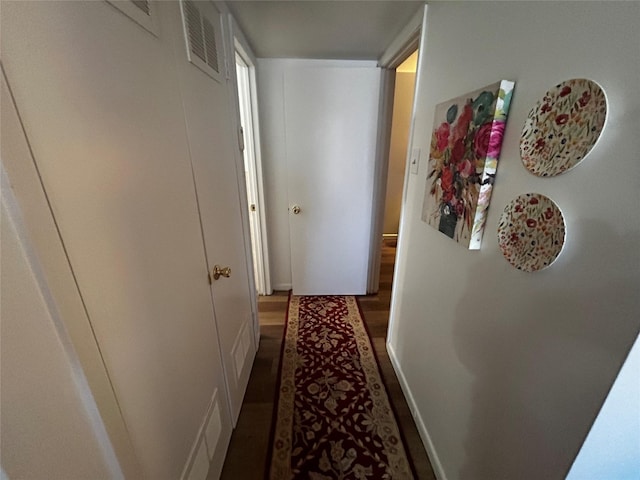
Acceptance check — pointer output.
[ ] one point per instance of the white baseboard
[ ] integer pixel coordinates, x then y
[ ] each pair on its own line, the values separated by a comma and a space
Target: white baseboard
422, 430
282, 286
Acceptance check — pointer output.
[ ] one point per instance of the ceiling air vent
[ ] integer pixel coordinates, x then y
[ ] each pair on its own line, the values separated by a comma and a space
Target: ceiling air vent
140, 11
203, 34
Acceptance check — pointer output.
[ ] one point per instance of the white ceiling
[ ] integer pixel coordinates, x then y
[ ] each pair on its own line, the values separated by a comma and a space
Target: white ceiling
329, 29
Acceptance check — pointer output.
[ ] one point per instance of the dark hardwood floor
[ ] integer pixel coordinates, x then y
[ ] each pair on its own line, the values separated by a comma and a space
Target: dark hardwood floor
247, 455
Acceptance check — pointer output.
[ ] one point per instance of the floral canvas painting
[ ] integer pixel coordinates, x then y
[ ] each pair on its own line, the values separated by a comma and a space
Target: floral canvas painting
465, 146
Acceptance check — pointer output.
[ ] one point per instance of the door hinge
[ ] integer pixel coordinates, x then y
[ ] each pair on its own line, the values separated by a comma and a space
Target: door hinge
241, 138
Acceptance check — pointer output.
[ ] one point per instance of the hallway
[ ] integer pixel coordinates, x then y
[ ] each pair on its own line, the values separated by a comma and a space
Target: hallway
247, 455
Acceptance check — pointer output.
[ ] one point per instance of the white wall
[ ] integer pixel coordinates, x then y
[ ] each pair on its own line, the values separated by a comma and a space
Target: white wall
50, 424
507, 370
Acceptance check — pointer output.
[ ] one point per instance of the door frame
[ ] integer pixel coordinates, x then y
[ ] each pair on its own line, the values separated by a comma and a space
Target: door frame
235, 39
401, 47
255, 182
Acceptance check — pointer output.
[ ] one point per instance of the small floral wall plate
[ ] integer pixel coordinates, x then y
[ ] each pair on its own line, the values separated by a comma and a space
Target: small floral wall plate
531, 232
563, 127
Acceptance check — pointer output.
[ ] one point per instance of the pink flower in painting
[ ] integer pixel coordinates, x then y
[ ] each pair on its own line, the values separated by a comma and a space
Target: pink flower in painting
531, 223
562, 119
488, 140
466, 169
442, 136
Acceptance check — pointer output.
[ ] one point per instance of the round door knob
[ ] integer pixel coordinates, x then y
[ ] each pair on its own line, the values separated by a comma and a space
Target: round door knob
219, 271
295, 209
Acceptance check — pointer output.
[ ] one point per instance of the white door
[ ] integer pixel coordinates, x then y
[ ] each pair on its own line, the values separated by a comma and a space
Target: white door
331, 125
216, 159
100, 102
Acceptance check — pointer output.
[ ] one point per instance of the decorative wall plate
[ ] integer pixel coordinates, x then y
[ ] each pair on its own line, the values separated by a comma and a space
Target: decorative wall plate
563, 127
531, 232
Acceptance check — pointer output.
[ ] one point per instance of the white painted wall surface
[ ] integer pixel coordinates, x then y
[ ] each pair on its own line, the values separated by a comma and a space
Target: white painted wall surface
50, 424
507, 370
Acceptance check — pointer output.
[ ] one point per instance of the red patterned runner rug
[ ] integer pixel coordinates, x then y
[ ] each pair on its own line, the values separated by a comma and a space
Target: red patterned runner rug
333, 417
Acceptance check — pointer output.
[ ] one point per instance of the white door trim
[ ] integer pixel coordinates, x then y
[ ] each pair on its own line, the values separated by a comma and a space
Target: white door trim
255, 182
400, 48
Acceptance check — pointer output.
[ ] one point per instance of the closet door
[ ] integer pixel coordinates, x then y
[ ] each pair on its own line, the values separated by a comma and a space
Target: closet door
205, 82
331, 126
99, 98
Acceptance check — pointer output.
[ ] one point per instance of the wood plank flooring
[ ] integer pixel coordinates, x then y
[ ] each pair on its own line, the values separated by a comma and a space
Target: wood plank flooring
247, 455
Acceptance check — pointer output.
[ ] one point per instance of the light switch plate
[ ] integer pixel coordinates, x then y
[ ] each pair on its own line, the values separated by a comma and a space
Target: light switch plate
415, 160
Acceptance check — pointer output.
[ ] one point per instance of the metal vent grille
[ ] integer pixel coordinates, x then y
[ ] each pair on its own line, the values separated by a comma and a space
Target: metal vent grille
210, 45
203, 32
143, 5
194, 30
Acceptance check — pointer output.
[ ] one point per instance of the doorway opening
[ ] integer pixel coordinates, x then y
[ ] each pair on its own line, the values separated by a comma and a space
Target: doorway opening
404, 88
245, 74
396, 119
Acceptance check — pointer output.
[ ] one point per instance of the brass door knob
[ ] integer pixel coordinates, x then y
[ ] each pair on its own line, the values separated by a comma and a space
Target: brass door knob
219, 271
295, 209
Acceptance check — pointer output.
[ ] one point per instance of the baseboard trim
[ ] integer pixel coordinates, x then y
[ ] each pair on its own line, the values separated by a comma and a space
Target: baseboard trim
282, 286
422, 430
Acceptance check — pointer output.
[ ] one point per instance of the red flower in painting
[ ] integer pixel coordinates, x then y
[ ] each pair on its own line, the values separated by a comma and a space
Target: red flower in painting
533, 201
442, 136
584, 100
548, 213
545, 108
566, 90
457, 152
446, 180
531, 223
562, 119
540, 144
461, 129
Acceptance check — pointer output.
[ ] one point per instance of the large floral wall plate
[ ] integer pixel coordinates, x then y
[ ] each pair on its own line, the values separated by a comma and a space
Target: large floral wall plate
465, 146
531, 232
563, 127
